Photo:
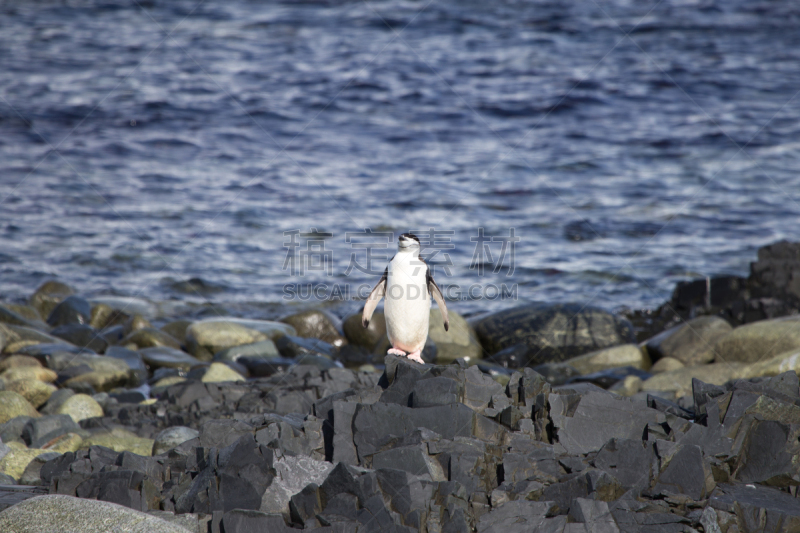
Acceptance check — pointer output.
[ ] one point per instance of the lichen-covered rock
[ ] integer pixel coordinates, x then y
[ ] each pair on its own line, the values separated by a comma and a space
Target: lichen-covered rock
758, 341
691, 343
680, 380
121, 440
219, 372
149, 337
14, 361
369, 337
459, 341
80, 407
28, 372
35, 391
206, 338
13, 405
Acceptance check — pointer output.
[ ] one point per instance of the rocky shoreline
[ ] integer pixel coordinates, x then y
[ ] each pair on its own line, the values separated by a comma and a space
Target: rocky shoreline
536, 418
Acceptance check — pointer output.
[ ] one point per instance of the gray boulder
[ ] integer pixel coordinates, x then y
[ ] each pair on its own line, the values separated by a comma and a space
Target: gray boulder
691, 343
72, 310
552, 332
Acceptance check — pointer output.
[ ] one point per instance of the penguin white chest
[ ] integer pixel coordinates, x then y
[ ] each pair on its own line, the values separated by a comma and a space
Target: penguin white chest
407, 302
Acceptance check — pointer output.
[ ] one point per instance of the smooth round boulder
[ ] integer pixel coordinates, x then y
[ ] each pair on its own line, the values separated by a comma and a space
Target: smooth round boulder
149, 337
35, 391
315, 324
80, 407
690, 343
680, 380
14, 361
759, 341
204, 339
9, 316
29, 372
265, 349
121, 440
56, 512
177, 329
220, 372
99, 381
172, 437
626, 355
366, 337
13, 405
102, 316
459, 341
56, 400
48, 296
553, 333
665, 364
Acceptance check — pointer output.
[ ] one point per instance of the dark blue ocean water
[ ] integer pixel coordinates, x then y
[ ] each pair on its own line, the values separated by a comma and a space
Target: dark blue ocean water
628, 144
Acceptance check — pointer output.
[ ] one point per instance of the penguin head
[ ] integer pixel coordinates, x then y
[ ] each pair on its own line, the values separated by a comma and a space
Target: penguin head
408, 242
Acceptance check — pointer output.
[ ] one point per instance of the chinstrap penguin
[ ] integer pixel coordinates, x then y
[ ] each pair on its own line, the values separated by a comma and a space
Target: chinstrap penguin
407, 284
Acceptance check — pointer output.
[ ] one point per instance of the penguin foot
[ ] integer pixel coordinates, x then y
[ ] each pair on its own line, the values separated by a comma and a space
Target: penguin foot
395, 351
416, 356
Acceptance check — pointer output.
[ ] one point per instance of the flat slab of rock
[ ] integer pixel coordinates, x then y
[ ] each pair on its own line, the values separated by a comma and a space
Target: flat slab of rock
599, 418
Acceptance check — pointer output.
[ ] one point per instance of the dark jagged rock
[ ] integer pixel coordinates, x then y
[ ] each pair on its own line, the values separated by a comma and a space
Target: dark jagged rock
515, 517
39, 431
597, 484
553, 332
439, 448
248, 521
683, 471
378, 425
628, 460
598, 418
757, 508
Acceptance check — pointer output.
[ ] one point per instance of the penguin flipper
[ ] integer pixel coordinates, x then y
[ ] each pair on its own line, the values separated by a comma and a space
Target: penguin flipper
373, 299
433, 288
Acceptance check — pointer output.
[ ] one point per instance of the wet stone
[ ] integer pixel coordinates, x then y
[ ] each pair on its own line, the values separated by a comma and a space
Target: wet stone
71, 310
162, 356
291, 347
